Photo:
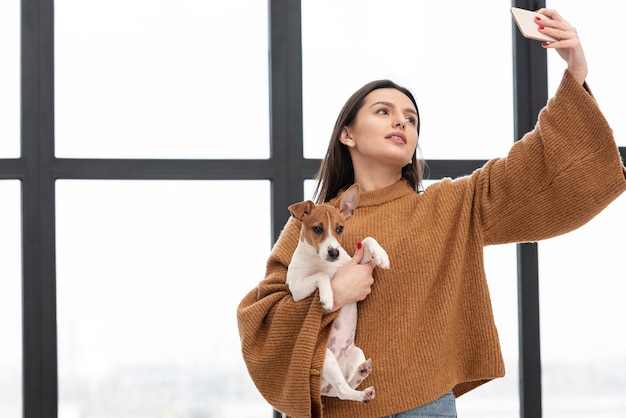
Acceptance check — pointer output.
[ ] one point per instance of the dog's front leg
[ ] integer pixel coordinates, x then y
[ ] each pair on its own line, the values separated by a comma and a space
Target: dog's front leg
304, 287
326, 292
374, 250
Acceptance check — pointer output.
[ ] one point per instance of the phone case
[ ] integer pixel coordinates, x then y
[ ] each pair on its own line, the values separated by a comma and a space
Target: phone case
525, 20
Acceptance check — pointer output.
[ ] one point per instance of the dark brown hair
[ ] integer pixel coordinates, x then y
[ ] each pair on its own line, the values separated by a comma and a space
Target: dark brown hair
336, 171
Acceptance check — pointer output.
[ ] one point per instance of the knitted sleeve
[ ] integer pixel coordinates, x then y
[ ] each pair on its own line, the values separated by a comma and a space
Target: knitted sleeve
557, 177
283, 342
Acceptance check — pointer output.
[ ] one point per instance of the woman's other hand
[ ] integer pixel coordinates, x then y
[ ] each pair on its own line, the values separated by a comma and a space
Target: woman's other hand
353, 281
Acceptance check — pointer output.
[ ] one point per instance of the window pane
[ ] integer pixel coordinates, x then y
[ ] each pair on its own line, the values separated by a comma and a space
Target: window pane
10, 300
499, 398
175, 79
595, 27
582, 311
10, 79
459, 70
150, 274
582, 273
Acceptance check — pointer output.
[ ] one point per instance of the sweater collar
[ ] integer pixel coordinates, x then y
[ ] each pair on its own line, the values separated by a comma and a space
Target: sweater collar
387, 194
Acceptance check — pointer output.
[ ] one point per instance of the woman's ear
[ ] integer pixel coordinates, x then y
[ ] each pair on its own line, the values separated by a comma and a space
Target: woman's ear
346, 137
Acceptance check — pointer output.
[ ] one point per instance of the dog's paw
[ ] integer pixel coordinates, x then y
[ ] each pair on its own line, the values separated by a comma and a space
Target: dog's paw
365, 368
368, 394
327, 302
377, 252
382, 259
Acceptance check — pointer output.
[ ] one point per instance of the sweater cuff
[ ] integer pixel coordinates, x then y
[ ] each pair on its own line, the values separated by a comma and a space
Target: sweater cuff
570, 79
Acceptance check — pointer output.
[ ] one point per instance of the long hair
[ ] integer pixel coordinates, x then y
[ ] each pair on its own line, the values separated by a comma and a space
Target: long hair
336, 171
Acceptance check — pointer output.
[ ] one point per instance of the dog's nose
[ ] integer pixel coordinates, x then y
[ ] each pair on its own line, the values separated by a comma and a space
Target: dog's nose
333, 253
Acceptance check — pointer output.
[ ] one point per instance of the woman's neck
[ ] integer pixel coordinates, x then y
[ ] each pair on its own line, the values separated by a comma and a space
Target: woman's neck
370, 181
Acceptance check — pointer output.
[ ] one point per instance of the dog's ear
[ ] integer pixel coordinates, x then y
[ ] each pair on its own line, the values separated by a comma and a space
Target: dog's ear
301, 210
347, 201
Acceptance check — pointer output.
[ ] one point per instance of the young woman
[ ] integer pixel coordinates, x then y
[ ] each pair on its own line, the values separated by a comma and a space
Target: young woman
426, 322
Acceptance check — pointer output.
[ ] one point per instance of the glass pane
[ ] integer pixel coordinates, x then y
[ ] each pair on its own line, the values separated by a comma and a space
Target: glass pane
582, 273
582, 310
459, 70
175, 79
309, 188
595, 26
10, 300
10, 79
150, 274
499, 398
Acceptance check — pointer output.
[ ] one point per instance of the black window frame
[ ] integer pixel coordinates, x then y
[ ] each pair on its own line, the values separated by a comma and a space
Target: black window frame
37, 169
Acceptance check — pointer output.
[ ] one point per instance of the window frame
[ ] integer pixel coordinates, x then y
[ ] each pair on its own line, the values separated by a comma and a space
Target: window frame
38, 169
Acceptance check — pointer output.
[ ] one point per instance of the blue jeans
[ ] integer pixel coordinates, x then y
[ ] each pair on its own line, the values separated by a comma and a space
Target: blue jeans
439, 408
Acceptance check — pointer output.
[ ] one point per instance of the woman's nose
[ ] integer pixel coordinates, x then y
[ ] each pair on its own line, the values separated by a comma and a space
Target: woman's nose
399, 122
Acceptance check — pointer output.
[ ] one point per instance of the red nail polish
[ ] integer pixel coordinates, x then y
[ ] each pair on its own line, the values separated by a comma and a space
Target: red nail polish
537, 18
541, 28
359, 245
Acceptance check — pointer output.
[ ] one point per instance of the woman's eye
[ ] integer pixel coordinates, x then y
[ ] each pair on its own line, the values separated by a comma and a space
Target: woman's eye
411, 120
383, 111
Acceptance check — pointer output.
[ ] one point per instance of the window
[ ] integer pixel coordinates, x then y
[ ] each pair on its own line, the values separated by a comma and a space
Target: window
345, 52
10, 79
10, 301
605, 78
183, 79
150, 274
162, 109
582, 273
347, 44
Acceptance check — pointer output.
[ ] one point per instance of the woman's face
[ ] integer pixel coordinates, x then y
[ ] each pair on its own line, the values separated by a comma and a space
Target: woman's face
384, 131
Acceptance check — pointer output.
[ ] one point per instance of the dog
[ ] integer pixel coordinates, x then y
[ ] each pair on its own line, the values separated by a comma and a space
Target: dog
316, 258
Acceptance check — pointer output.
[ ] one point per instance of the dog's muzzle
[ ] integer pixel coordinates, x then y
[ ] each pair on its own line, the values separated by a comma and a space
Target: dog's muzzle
333, 254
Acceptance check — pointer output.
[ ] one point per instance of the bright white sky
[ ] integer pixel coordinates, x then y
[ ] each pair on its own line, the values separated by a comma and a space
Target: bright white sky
183, 80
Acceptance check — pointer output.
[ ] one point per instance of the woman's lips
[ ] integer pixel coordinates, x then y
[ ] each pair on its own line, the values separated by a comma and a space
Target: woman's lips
397, 136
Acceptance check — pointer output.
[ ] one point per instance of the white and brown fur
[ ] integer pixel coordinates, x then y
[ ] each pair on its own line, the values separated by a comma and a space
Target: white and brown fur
316, 259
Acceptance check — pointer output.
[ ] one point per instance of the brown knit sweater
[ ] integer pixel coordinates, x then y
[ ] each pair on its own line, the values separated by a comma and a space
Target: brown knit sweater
428, 323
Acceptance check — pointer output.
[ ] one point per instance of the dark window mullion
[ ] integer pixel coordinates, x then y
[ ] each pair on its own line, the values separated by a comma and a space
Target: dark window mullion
11, 168
38, 241
530, 92
285, 72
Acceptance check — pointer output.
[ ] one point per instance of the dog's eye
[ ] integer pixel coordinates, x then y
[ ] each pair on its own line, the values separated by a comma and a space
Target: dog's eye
318, 229
339, 229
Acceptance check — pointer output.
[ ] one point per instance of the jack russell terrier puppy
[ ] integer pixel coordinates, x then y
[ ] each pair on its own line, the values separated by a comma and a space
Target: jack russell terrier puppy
315, 260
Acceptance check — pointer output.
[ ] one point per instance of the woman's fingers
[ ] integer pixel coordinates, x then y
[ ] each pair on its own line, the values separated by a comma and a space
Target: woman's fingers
556, 26
568, 44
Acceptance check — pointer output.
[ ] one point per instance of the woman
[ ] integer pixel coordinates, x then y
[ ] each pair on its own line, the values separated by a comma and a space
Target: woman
427, 322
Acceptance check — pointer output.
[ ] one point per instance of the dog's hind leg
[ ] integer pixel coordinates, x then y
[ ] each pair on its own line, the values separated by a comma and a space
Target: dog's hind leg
359, 373
335, 384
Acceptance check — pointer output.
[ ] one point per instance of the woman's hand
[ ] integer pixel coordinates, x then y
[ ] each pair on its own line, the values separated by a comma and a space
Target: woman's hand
353, 281
568, 45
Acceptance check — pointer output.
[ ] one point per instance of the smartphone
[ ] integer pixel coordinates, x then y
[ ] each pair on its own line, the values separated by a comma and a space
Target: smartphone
525, 20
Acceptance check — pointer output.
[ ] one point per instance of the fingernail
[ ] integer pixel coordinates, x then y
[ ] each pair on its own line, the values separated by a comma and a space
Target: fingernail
359, 245
537, 18
541, 28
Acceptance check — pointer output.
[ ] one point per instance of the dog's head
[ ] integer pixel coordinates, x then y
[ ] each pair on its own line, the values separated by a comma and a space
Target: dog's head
322, 224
